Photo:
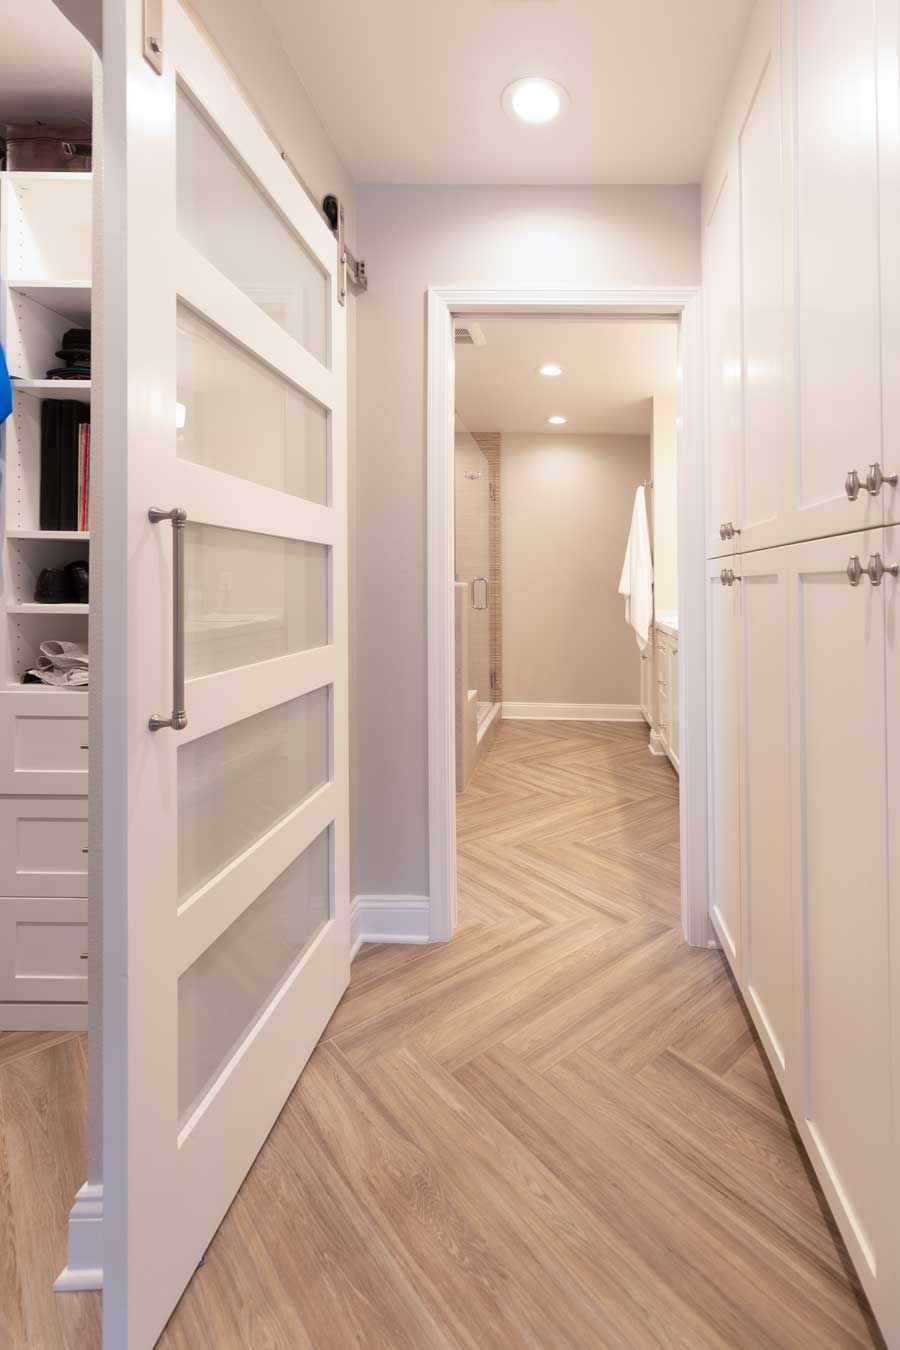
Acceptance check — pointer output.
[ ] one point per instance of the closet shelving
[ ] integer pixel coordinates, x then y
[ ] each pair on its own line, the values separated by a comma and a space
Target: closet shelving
45, 288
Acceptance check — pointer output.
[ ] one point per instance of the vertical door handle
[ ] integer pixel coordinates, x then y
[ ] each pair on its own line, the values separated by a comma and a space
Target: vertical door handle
178, 719
486, 592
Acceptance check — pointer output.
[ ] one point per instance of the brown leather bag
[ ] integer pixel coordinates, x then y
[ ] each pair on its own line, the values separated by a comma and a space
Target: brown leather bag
40, 148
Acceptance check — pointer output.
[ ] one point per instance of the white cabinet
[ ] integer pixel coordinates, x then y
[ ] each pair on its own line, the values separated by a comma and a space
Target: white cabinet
723, 711
665, 667
673, 745
765, 789
722, 290
647, 681
844, 982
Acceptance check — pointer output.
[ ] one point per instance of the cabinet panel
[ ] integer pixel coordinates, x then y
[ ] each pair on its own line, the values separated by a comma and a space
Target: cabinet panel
766, 445
44, 742
43, 950
647, 682
837, 280
674, 719
765, 784
840, 899
43, 846
723, 327
723, 665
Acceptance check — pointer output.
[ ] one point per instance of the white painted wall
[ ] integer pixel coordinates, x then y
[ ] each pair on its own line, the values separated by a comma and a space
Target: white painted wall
566, 509
664, 504
413, 238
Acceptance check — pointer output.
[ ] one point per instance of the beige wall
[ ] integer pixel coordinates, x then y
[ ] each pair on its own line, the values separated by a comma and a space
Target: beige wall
413, 238
566, 513
664, 504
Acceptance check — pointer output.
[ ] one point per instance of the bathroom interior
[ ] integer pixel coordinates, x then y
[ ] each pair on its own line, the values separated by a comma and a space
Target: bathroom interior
566, 430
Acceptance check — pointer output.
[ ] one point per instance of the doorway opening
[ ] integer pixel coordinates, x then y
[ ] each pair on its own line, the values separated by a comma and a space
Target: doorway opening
527, 630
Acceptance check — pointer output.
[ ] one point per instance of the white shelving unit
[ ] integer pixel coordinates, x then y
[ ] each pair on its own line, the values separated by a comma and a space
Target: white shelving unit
45, 288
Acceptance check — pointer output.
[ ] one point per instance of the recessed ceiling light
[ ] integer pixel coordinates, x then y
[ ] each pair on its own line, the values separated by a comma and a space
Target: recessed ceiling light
550, 369
556, 421
534, 100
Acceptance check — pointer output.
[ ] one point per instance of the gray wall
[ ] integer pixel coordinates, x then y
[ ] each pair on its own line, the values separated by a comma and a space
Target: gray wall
413, 238
567, 503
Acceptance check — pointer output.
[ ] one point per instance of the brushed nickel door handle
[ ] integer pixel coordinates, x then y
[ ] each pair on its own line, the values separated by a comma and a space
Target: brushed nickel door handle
875, 479
851, 487
178, 717
854, 570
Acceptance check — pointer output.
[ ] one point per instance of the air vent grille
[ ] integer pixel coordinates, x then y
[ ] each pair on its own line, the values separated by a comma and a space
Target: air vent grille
466, 334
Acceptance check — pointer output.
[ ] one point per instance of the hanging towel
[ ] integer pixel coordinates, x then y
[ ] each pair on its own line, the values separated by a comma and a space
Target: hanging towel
636, 582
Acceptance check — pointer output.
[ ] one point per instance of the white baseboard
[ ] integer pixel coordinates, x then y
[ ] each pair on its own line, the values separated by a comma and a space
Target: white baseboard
657, 744
84, 1268
43, 1016
389, 918
573, 712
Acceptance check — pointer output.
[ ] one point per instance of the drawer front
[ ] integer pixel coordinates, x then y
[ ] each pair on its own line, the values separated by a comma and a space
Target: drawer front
43, 846
43, 950
44, 743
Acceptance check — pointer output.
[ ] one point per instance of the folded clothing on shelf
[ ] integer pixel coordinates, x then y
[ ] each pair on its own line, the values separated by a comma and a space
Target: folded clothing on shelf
63, 664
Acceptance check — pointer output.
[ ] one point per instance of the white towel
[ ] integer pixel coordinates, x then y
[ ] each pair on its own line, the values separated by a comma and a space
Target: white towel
636, 582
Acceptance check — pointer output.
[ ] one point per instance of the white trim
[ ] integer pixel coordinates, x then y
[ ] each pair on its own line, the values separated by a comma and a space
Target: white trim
573, 712
681, 302
84, 1268
657, 744
43, 1017
389, 918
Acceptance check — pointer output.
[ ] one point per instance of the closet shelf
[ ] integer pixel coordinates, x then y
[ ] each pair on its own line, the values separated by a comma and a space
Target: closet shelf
76, 536
70, 299
80, 390
46, 610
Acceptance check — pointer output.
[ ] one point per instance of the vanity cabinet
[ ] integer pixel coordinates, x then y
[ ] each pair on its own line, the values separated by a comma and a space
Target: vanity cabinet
665, 666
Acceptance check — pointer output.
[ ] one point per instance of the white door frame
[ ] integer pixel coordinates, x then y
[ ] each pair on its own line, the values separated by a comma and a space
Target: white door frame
685, 304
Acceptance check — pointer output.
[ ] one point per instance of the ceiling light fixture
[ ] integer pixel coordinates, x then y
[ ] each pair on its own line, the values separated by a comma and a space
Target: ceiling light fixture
550, 370
557, 421
535, 101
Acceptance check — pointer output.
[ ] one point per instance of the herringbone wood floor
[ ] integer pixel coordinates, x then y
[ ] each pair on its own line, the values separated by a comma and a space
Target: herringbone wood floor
555, 1132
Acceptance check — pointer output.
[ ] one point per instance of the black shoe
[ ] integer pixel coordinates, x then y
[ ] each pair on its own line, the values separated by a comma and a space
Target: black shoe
52, 587
77, 582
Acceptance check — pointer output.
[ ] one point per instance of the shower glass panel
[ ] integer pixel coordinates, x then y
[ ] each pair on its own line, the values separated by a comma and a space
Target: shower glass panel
476, 564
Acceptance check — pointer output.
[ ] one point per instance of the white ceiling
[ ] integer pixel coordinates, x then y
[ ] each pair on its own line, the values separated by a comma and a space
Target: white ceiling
611, 370
409, 90
45, 65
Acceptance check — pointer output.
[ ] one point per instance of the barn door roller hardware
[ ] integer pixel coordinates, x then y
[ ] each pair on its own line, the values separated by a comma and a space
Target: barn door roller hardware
334, 213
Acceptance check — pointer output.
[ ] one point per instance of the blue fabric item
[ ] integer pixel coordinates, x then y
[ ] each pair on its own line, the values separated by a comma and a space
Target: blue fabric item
5, 389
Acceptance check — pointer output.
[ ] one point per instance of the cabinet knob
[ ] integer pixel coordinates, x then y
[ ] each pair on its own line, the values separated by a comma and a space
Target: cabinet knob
727, 577
875, 479
851, 487
876, 569
723, 531
854, 570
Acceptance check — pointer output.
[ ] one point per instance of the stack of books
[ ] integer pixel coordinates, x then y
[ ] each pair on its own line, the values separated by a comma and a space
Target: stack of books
65, 465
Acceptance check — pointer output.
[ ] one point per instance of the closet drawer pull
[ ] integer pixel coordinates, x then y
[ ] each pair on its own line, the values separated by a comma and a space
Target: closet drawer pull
178, 718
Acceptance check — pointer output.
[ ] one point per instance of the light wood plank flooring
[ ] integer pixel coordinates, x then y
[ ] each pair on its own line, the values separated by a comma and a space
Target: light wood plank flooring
556, 1132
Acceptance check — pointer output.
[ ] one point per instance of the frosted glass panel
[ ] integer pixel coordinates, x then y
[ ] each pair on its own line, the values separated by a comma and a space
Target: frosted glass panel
224, 992
227, 218
250, 597
237, 783
237, 415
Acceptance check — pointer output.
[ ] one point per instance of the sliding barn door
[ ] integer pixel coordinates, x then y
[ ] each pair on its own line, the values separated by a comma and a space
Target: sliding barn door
223, 644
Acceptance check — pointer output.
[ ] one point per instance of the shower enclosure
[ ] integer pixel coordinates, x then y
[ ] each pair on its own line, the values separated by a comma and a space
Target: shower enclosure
477, 590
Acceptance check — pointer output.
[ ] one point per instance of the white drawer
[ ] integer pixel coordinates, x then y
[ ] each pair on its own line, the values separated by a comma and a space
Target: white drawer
43, 742
43, 846
43, 949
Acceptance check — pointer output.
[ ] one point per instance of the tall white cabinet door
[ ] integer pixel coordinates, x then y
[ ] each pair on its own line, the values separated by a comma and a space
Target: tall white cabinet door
767, 442
765, 798
223, 646
889, 184
722, 291
724, 686
889, 1298
842, 975
837, 282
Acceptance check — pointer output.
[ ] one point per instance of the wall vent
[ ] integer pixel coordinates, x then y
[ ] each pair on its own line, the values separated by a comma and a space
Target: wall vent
468, 334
